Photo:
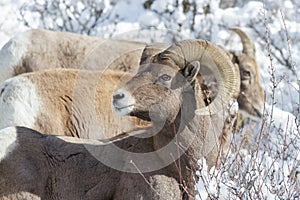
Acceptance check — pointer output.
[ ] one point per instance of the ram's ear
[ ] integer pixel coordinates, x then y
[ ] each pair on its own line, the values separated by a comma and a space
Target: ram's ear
191, 71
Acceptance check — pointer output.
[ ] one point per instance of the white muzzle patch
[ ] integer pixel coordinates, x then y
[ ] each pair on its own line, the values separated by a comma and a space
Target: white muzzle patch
123, 102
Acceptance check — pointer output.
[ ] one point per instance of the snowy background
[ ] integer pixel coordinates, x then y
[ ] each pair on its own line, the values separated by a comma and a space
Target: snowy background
272, 171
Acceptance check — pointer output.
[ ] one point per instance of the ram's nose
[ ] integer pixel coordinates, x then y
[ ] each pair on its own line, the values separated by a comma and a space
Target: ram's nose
123, 102
118, 95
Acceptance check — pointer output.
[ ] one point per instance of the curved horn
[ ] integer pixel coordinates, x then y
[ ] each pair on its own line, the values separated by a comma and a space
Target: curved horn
248, 45
151, 50
210, 55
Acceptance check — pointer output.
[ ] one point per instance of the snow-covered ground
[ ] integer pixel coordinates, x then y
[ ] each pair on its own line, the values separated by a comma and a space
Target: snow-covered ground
275, 29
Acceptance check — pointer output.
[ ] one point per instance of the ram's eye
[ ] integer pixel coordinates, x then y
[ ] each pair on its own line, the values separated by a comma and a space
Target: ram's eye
165, 77
246, 74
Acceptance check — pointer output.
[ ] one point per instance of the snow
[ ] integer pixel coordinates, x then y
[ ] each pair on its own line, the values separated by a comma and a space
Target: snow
166, 21
149, 19
161, 5
9, 24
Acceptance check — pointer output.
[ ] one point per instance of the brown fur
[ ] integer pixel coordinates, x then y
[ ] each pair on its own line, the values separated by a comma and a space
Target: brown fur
79, 103
53, 49
44, 49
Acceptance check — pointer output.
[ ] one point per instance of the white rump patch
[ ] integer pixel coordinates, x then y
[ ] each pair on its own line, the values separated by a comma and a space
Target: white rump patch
12, 53
19, 103
8, 141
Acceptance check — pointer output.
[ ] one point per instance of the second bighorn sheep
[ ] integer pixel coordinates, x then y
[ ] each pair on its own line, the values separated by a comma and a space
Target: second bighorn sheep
166, 91
251, 97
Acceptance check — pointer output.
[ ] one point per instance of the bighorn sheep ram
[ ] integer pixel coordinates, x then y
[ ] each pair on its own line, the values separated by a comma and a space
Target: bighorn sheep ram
166, 91
36, 50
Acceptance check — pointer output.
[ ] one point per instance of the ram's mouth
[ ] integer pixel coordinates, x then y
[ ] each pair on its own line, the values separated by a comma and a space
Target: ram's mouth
124, 107
123, 110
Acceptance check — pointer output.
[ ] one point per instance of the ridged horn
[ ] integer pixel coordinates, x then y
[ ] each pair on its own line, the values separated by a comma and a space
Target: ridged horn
248, 45
210, 55
151, 50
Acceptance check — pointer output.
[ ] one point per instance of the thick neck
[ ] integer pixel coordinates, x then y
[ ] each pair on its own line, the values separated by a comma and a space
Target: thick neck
187, 129
186, 133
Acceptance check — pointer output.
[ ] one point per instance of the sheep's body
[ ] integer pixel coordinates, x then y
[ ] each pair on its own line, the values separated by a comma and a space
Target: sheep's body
65, 102
36, 50
50, 167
